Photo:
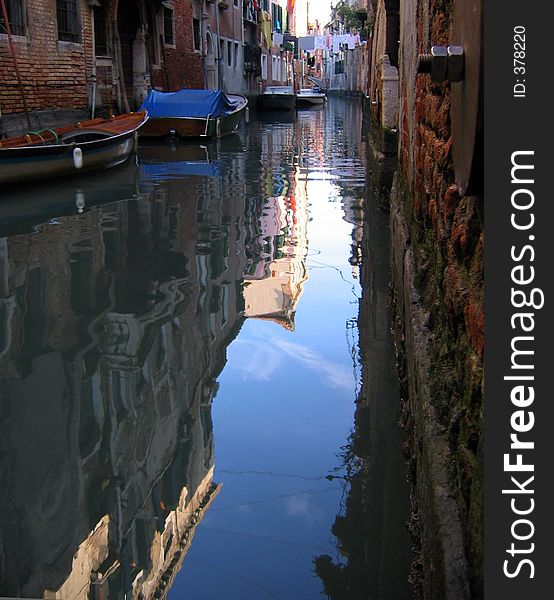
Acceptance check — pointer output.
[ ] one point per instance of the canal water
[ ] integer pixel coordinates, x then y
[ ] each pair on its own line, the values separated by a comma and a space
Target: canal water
197, 379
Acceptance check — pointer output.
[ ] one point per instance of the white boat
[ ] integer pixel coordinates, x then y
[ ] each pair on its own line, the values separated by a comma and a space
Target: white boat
309, 97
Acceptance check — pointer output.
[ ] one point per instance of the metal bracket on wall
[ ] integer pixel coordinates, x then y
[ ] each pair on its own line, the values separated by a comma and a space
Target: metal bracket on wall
443, 64
466, 98
461, 64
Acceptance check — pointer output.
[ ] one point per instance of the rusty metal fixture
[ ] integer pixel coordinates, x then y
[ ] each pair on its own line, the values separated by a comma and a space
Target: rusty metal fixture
461, 64
443, 64
466, 98
455, 63
435, 63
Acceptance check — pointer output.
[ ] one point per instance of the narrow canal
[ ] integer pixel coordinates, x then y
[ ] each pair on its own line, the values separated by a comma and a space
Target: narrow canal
197, 378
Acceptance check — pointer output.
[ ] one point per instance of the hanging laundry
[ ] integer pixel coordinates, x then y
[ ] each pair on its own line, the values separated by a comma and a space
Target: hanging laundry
266, 29
306, 43
320, 42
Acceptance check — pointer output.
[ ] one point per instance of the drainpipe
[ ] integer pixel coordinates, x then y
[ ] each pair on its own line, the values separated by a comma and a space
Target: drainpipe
219, 65
203, 17
93, 74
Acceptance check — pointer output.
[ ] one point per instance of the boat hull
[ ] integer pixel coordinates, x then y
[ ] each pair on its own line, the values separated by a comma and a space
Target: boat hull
195, 127
277, 101
79, 150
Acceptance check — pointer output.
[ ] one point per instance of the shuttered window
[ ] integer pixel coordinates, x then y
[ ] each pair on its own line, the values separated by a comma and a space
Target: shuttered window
100, 31
168, 26
68, 21
16, 16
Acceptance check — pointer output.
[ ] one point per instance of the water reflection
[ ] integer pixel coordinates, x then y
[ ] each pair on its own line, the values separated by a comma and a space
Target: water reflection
118, 301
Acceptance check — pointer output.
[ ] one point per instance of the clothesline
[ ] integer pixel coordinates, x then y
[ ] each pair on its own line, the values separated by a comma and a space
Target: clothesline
324, 42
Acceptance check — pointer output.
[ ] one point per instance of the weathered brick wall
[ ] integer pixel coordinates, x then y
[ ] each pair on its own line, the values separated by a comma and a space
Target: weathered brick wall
438, 262
53, 72
185, 66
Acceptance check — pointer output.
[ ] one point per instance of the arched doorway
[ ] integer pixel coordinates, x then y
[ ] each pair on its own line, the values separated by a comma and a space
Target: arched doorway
210, 62
131, 33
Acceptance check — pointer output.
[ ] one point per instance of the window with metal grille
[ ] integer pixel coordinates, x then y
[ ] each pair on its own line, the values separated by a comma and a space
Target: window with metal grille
16, 17
100, 31
68, 21
196, 33
168, 26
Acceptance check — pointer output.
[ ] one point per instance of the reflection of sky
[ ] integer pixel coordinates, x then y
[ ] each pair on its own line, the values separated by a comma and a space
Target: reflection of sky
283, 410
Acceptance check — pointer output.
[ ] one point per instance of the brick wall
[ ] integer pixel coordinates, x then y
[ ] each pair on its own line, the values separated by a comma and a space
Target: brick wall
438, 271
57, 75
53, 72
184, 66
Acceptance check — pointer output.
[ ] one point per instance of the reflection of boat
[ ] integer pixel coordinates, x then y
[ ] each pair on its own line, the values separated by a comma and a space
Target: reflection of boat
192, 113
274, 116
309, 97
25, 207
84, 146
160, 162
277, 97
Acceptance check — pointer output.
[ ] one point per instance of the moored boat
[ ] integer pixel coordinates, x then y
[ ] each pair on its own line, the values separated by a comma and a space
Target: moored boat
310, 97
277, 97
192, 113
79, 147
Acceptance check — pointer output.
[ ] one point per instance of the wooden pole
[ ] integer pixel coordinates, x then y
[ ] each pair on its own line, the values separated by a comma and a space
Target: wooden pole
12, 48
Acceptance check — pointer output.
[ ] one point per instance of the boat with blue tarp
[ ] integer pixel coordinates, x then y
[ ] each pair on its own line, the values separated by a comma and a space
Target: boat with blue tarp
192, 113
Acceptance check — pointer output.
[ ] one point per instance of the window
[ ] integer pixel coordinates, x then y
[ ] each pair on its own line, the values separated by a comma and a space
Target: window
68, 21
153, 39
168, 26
16, 16
264, 66
196, 34
229, 54
100, 31
236, 54
277, 18
221, 49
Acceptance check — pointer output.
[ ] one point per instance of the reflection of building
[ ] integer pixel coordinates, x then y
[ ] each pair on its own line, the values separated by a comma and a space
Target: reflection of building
172, 544
91, 570
272, 290
114, 327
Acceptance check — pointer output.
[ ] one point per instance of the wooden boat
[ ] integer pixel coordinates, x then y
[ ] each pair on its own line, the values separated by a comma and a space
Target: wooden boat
277, 97
83, 146
192, 113
310, 97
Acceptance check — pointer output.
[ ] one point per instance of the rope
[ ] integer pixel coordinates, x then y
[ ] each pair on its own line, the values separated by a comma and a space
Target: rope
37, 133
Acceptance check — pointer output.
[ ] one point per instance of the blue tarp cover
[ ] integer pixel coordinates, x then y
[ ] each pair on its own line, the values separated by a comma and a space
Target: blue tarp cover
152, 172
188, 103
